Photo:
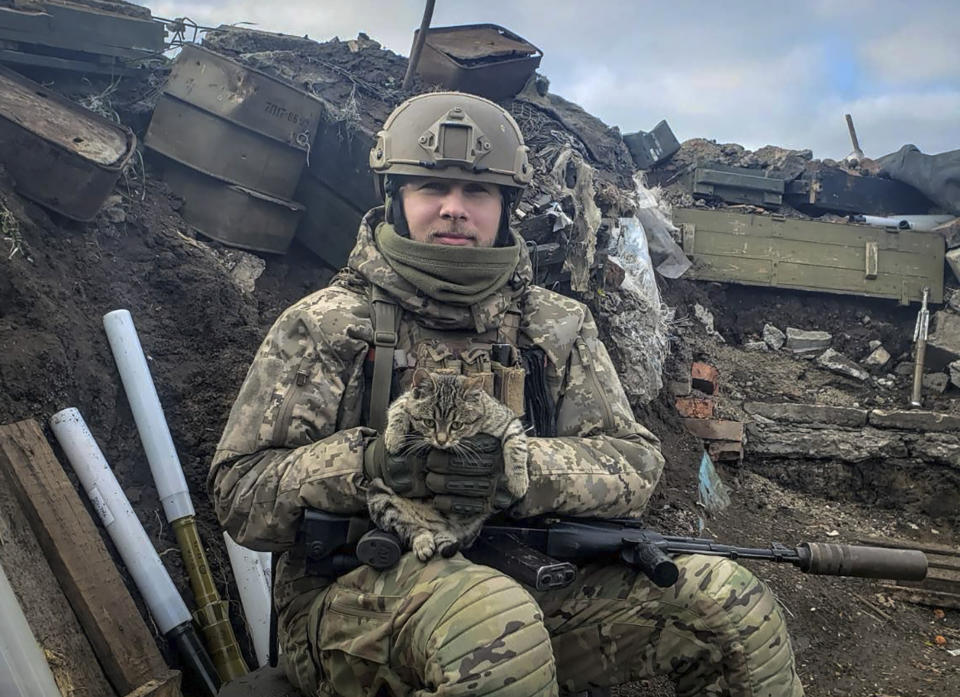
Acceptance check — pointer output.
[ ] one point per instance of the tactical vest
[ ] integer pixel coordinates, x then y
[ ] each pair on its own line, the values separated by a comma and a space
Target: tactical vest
512, 372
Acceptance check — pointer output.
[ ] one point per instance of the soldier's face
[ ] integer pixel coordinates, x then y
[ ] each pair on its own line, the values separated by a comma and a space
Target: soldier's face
451, 211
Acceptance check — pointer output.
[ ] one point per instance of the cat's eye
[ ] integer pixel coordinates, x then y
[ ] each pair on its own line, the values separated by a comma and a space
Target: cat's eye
456, 424
429, 423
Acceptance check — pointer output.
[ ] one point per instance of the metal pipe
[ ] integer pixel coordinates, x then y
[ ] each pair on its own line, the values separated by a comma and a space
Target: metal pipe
24, 671
418, 44
853, 137
141, 559
904, 222
212, 612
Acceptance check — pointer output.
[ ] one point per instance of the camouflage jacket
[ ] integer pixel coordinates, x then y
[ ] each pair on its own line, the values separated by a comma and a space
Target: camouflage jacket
295, 436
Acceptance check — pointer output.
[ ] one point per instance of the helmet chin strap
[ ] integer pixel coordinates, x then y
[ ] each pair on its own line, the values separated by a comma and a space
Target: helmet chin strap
393, 207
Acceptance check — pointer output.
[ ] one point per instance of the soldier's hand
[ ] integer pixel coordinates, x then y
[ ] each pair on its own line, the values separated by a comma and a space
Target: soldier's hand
404, 472
466, 480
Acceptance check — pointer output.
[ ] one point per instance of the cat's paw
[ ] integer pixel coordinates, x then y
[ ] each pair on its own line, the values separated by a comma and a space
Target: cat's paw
515, 469
392, 441
424, 545
447, 544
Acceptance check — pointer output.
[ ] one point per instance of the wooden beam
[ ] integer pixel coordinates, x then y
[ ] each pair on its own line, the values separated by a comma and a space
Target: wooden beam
77, 555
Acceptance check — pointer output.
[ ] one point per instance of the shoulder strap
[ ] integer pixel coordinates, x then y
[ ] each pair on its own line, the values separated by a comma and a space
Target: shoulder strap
386, 321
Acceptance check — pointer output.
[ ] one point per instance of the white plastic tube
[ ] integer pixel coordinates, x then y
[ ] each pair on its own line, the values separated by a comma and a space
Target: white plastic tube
147, 413
266, 561
24, 671
136, 550
254, 595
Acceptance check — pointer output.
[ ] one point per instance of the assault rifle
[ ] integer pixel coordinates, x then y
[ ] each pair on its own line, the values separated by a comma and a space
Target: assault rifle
543, 554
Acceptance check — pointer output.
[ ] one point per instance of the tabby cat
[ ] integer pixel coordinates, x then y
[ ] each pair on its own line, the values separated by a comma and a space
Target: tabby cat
442, 411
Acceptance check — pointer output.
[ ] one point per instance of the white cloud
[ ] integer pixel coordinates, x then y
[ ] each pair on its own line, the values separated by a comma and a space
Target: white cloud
746, 72
919, 51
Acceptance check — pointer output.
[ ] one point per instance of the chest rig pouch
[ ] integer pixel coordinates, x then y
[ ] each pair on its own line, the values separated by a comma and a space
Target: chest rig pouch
493, 356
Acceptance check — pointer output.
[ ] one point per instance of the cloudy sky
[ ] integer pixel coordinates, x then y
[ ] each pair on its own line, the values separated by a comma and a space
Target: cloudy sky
754, 72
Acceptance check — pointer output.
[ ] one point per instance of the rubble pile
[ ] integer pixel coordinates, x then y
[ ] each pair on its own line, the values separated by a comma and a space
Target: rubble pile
569, 215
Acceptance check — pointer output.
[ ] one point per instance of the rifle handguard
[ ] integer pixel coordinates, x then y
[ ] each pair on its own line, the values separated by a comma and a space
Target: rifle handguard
865, 562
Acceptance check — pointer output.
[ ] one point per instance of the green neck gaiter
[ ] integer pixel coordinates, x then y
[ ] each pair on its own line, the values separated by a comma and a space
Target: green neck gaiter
454, 275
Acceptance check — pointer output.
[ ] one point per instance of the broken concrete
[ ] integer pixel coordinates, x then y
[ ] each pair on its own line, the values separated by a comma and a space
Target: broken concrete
954, 371
940, 448
878, 358
755, 346
914, 420
803, 341
838, 363
953, 260
943, 344
773, 440
936, 382
773, 337
810, 414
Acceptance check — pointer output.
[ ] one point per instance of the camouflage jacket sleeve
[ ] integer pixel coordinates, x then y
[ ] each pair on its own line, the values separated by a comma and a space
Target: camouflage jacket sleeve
291, 440
603, 463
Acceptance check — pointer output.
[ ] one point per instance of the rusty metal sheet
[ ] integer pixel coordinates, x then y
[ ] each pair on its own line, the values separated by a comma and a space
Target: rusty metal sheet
246, 97
479, 41
223, 149
232, 214
77, 28
60, 155
329, 226
483, 59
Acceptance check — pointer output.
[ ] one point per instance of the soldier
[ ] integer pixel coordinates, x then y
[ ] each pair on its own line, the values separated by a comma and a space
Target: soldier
437, 279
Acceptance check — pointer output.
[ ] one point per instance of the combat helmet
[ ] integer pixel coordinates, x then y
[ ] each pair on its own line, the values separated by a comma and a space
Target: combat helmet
452, 135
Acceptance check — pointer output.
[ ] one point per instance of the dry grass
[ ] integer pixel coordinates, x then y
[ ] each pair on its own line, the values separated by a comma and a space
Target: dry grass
10, 231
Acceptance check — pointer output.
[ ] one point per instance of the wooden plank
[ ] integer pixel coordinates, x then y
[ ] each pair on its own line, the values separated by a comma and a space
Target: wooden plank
54, 624
921, 596
75, 550
925, 547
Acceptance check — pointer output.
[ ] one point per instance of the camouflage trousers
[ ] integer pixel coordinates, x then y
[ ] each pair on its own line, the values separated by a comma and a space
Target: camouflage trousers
450, 627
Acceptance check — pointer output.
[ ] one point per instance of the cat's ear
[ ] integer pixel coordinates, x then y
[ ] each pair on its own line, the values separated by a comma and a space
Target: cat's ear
474, 382
422, 380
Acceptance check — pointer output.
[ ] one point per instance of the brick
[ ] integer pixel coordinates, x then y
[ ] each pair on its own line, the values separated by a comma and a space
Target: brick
715, 429
696, 407
725, 450
705, 378
809, 414
914, 420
